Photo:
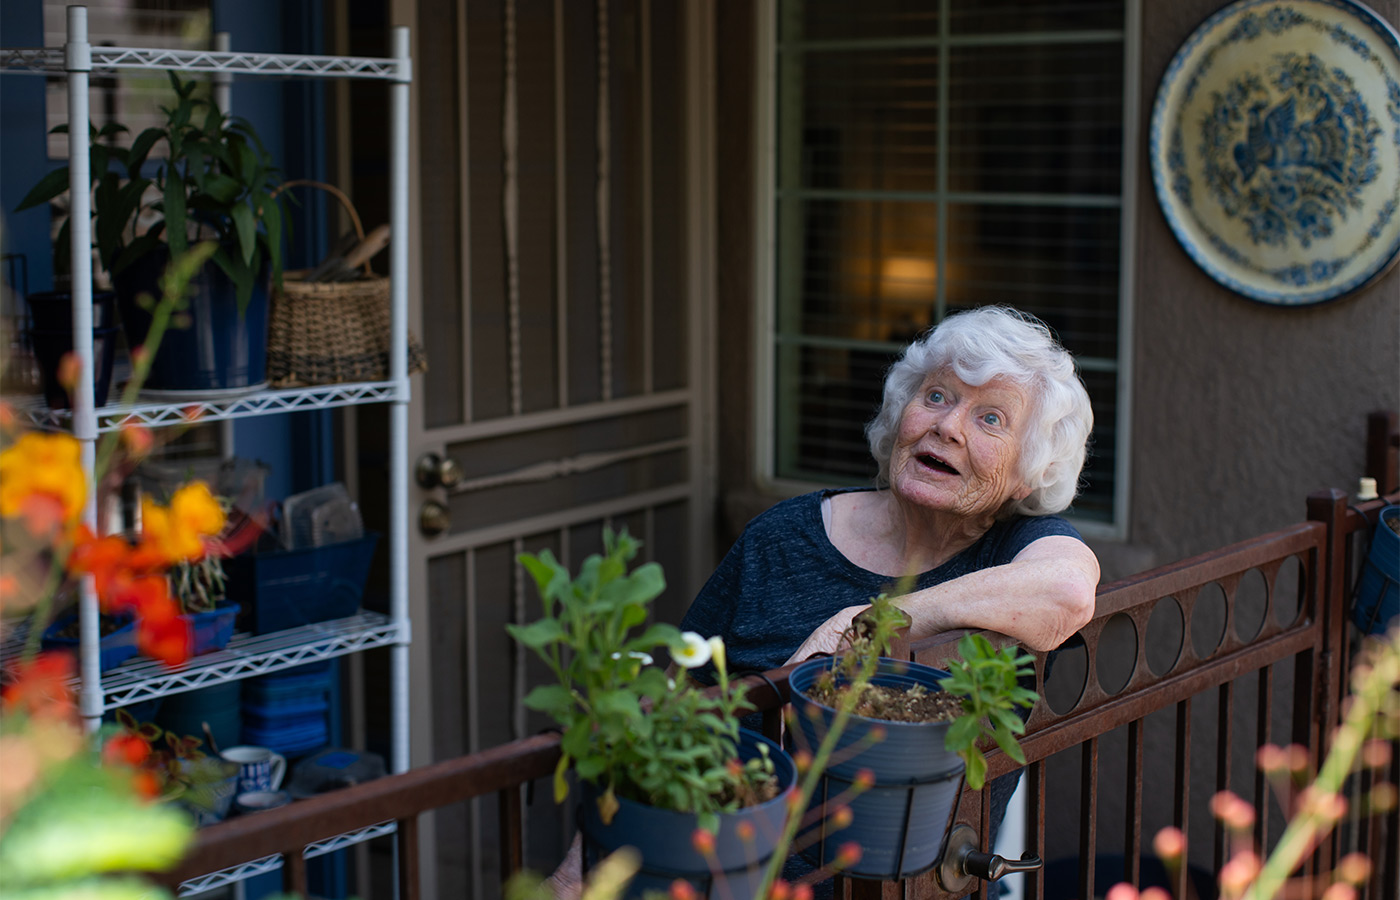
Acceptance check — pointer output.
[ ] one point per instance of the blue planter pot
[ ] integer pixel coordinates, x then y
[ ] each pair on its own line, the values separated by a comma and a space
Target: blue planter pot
221, 352
901, 822
1378, 590
663, 836
50, 335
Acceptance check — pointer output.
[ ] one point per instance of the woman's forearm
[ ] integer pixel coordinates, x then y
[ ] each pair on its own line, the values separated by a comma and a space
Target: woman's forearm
1039, 599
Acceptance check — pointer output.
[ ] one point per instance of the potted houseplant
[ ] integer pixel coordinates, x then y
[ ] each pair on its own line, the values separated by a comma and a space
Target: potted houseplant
664, 766
182, 772
215, 182
911, 736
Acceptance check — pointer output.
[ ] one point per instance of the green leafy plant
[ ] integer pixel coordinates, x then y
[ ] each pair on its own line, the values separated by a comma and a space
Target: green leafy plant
987, 681
217, 181
628, 727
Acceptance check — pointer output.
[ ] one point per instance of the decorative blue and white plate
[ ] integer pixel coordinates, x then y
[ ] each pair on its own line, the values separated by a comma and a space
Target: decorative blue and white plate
1276, 148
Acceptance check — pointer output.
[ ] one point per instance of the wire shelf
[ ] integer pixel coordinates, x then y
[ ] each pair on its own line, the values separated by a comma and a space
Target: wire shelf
50, 60
273, 863
261, 403
245, 656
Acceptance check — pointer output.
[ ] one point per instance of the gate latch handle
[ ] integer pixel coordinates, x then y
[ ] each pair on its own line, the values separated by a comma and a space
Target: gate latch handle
962, 863
990, 866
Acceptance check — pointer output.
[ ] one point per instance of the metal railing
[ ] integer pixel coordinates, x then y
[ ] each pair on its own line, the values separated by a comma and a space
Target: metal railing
1262, 648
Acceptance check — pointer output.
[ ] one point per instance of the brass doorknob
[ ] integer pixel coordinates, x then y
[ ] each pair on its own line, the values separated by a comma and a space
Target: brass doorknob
433, 518
433, 471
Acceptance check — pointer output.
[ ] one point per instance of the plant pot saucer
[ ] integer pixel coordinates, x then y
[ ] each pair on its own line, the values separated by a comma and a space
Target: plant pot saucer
167, 396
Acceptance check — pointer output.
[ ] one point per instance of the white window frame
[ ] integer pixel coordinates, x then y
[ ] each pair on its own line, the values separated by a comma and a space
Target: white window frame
765, 306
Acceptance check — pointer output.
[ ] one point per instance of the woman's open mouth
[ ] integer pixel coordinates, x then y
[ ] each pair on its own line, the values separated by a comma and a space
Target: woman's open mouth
932, 462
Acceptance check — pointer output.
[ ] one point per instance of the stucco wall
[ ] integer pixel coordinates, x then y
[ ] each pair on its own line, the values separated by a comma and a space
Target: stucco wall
1239, 408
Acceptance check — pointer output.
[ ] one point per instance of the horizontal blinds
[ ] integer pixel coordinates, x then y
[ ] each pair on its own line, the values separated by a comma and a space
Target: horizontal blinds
135, 98
933, 157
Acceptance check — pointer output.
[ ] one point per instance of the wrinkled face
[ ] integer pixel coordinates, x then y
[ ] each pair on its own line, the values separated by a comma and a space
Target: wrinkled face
959, 445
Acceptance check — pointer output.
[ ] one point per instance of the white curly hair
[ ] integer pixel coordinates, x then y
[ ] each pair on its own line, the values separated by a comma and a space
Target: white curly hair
1000, 342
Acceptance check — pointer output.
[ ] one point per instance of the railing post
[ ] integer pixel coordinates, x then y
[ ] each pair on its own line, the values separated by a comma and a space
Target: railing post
1382, 450
1330, 508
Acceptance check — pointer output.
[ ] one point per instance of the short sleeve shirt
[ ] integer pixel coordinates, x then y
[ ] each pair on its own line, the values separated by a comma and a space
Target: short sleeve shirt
784, 577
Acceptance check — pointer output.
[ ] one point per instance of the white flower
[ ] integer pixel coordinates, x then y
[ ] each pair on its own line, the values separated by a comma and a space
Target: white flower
693, 651
635, 654
717, 651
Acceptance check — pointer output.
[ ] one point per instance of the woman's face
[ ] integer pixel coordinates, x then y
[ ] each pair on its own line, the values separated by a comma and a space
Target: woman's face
959, 446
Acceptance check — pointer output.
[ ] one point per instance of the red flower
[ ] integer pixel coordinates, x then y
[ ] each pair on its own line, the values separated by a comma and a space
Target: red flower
125, 748
40, 688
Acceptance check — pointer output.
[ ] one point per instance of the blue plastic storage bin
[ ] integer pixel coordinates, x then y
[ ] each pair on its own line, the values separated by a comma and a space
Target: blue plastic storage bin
1377, 599
289, 588
115, 648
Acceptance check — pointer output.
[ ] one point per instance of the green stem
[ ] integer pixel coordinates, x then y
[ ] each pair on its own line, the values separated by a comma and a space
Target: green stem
1308, 828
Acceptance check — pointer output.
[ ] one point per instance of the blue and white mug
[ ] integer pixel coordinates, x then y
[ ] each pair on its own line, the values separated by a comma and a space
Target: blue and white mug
259, 769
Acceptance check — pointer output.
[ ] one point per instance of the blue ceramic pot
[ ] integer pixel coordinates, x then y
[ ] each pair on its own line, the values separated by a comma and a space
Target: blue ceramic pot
901, 822
663, 836
221, 351
50, 336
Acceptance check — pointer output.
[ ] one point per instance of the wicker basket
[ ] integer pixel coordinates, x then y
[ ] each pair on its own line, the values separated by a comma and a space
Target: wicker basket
332, 332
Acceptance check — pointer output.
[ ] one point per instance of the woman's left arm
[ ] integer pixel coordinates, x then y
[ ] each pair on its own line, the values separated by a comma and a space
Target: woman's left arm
1039, 599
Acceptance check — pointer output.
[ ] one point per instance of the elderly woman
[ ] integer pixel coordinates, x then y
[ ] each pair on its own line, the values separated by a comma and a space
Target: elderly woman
980, 441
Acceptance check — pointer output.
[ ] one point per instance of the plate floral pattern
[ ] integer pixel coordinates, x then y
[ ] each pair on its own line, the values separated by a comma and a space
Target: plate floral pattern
1275, 148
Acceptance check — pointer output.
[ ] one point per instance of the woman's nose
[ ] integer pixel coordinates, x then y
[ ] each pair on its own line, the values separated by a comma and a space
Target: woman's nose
951, 423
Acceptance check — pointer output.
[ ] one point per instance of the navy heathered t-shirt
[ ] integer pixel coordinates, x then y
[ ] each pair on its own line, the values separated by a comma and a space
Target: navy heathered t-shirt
784, 577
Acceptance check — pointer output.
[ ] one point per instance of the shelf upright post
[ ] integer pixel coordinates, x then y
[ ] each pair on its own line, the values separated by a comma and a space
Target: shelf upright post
398, 412
77, 62
223, 99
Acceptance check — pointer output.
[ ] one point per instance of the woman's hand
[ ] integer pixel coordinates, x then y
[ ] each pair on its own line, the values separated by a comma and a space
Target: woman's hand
827, 637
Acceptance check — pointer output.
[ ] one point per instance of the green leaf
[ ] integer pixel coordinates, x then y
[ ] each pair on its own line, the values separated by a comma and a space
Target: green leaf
222, 188
561, 784
962, 733
555, 700
538, 634
619, 702
50, 186
590, 767
658, 635
140, 149
1009, 745
976, 769
239, 273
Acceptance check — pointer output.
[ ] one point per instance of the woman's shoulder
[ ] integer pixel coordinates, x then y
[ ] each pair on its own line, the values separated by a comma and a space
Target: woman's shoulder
1010, 536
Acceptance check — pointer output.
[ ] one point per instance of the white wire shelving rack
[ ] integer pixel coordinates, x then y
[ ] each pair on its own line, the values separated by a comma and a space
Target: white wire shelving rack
246, 655
272, 863
261, 403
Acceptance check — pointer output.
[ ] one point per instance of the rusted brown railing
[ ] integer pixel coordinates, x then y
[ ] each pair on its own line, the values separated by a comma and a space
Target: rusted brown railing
1108, 727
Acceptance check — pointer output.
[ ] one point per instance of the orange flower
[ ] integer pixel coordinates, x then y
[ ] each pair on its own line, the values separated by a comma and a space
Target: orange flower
41, 479
40, 688
177, 532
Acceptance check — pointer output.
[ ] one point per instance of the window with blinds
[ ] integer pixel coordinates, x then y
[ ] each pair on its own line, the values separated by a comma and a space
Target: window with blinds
135, 98
930, 157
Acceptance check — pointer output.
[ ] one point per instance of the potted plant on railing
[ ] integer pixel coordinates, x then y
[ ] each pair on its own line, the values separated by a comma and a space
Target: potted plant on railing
215, 182
914, 733
664, 766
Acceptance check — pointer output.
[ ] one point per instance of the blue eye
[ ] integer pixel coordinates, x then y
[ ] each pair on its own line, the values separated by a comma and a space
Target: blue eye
935, 396
992, 418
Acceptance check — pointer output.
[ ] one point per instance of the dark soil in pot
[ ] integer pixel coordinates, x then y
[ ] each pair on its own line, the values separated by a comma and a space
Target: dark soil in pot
893, 704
